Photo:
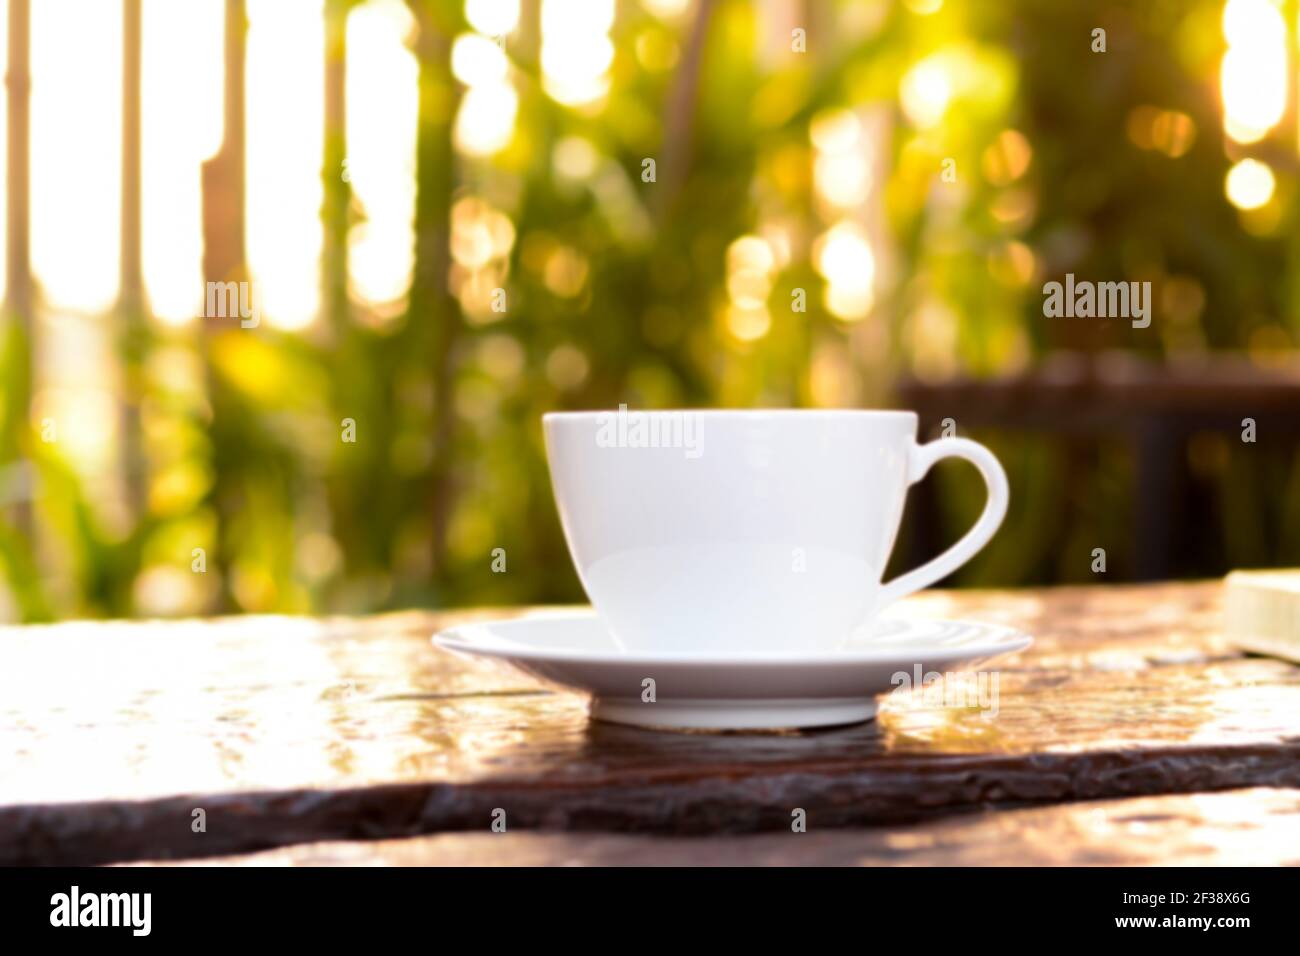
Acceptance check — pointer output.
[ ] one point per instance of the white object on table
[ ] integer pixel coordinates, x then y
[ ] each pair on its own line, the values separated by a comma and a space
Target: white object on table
1262, 612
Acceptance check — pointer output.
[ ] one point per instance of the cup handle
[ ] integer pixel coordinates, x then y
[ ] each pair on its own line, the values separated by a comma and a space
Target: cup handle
919, 460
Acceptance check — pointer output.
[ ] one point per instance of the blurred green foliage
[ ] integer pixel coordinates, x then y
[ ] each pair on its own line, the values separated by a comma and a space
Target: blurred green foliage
1110, 165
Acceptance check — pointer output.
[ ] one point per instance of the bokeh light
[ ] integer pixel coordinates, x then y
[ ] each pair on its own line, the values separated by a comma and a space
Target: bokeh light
492, 17
477, 61
926, 91
844, 258
577, 50
1249, 184
485, 120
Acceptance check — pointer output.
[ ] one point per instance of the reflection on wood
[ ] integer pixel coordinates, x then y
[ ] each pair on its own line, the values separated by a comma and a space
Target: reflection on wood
291, 730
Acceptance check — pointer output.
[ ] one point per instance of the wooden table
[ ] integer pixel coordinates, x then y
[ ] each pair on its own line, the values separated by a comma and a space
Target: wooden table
1130, 733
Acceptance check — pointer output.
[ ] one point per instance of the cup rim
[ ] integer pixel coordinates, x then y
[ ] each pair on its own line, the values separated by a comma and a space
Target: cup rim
877, 413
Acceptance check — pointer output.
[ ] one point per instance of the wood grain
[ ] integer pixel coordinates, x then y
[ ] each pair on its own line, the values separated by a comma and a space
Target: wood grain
288, 731
1233, 828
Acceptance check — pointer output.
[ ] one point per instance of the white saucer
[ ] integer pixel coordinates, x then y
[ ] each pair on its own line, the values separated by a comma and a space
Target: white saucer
576, 651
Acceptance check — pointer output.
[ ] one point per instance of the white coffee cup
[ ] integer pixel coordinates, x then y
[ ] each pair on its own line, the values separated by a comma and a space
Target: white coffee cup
747, 532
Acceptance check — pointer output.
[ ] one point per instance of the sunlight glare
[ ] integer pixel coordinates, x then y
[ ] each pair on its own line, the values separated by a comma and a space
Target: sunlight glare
382, 117
285, 105
1253, 80
181, 125
76, 124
